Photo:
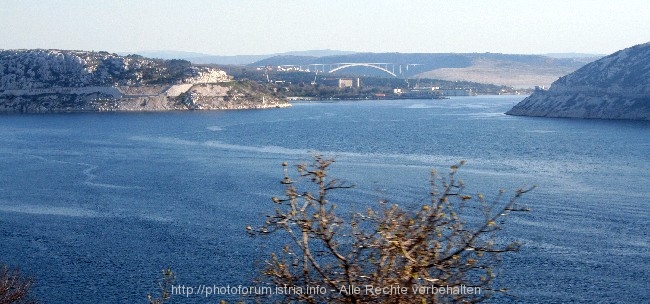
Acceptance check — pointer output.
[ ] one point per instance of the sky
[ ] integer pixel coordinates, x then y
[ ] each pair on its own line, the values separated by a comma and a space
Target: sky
254, 27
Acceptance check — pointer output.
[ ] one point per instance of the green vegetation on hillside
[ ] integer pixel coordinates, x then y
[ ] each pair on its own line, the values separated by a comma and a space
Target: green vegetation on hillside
310, 85
34, 69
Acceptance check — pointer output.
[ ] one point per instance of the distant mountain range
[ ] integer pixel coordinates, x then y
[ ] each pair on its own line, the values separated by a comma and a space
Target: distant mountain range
573, 55
614, 87
520, 71
502, 69
200, 58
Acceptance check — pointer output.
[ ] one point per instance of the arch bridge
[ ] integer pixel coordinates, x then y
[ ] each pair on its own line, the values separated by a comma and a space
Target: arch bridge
394, 69
379, 66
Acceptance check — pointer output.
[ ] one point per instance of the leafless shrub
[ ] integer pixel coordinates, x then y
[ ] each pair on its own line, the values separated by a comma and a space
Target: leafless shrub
164, 286
435, 254
14, 287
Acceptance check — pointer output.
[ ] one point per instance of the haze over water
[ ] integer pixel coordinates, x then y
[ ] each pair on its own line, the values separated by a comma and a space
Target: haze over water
94, 205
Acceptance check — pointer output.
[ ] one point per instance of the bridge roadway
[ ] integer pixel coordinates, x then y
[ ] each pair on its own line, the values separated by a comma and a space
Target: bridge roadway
334, 67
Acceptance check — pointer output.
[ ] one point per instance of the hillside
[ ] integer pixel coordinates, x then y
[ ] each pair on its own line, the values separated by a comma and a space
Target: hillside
70, 81
524, 71
614, 87
199, 58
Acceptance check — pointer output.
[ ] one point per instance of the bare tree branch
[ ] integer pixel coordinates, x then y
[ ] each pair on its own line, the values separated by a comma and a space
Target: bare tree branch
435, 246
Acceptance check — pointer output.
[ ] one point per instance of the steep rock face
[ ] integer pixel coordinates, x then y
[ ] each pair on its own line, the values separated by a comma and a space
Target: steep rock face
212, 96
613, 87
41, 81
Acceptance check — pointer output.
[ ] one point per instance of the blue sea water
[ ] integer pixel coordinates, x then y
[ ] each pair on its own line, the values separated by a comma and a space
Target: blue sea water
94, 205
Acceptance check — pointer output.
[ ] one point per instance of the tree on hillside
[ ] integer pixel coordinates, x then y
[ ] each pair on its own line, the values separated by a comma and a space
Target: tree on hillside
445, 251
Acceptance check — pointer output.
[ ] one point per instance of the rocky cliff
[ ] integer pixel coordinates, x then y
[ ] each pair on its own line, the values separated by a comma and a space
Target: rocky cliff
40, 81
614, 87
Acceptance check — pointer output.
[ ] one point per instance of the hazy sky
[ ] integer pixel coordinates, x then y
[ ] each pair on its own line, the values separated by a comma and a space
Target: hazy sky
238, 27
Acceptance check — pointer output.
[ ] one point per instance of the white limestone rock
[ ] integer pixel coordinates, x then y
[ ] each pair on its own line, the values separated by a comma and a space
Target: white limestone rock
613, 87
40, 81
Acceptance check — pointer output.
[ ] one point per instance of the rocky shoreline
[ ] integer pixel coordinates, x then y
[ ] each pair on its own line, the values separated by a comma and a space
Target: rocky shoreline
207, 96
588, 106
614, 87
55, 81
